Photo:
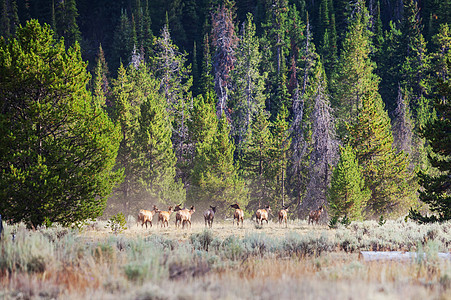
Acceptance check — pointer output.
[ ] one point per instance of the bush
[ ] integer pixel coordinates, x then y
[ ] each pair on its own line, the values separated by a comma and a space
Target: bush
117, 223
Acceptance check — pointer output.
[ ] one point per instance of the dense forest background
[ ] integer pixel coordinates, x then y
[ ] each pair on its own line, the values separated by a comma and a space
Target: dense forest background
289, 103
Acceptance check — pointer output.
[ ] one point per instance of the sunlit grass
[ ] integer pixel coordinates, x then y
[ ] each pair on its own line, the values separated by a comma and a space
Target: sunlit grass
226, 262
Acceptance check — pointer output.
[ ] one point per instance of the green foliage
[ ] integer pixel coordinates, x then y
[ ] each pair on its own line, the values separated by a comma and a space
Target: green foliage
117, 223
57, 150
382, 221
347, 195
436, 190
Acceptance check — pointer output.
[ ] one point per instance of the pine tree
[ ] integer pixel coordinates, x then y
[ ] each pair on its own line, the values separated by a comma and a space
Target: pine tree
215, 175
57, 151
280, 155
156, 161
347, 194
100, 83
436, 190
247, 96
125, 113
123, 42
255, 160
385, 172
66, 22
175, 82
355, 78
207, 78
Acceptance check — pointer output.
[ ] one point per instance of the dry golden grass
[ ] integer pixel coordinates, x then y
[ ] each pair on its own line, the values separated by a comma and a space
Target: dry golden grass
96, 264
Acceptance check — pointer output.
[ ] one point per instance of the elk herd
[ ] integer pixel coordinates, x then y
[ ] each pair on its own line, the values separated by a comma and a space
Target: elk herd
183, 216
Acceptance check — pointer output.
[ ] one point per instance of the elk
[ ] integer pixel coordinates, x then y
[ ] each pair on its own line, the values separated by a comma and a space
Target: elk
178, 217
145, 216
163, 217
262, 215
186, 216
238, 215
283, 216
209, 215
315, 215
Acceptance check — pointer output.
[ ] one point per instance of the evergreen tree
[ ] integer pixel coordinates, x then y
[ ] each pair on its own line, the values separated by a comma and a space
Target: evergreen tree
100, 84
57, 150
175, 82
385, 172
123, 42
66, 22
355, 76
207, 79
248, 84
155, 159
125, 113
348, 195
255, 160
215, 175
9, 19
436, 192
280, 155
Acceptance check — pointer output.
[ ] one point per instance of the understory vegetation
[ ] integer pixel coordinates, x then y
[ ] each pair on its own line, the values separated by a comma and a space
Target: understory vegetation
159, 263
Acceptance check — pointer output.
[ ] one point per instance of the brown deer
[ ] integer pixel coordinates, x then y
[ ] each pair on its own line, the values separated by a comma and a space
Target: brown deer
146, 216
163, 217
186, 216
283, 216
315, 215
238, 215
209, 215
262, 215
178, 217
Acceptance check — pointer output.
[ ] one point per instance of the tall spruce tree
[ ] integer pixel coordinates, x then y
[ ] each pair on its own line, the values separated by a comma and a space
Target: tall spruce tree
384, 170
175, 83
57, 150
436, 191
155, 158
247, 95
66, 22
348, 195
255, 160
125, 113
279, 158
214, 174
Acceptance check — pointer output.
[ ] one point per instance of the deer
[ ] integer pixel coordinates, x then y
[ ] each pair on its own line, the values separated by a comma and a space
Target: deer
238, 215
186, 216
315, 215
145, 216
262, 215
178, 217
209, 215
283, 216
163, 217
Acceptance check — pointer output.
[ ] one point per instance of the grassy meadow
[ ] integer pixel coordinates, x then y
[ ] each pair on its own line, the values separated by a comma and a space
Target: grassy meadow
225, 262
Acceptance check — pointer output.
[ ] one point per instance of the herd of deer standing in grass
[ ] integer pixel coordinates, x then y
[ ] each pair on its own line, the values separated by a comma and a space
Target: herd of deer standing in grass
183, 216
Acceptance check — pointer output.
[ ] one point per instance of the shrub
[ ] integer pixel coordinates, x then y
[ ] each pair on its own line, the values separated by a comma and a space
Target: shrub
117, 223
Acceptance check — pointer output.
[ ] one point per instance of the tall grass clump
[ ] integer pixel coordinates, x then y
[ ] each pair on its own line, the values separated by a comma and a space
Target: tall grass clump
29, 251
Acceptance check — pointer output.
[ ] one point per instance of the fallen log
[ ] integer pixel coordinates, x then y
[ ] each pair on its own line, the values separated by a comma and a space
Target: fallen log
396, 255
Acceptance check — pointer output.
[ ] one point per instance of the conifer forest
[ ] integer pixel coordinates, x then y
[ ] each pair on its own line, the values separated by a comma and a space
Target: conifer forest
110, 107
